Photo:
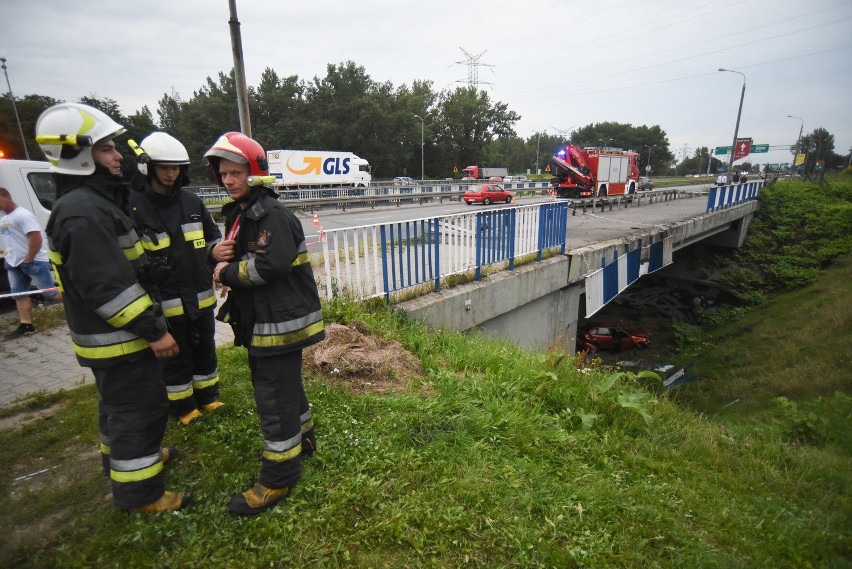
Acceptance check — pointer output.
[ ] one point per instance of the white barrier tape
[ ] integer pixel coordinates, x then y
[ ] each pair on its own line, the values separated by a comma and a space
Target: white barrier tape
27, 293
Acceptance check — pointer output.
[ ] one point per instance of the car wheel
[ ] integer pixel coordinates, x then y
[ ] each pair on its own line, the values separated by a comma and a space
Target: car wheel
509, 198
487, 201
632, 190
602, 192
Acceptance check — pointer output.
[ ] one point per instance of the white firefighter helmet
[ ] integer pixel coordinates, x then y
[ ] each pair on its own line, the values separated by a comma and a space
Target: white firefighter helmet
163, 148
66, 133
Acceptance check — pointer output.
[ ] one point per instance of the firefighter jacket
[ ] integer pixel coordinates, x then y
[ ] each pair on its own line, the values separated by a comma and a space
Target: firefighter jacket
273, 304
176, 231
96, 257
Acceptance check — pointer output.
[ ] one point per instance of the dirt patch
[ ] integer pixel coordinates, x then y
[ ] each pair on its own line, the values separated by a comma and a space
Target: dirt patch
351, 356
23, 418
37, 479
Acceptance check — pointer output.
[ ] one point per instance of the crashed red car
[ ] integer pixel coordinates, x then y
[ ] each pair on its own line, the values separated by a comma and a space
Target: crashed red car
487, 194
611, 338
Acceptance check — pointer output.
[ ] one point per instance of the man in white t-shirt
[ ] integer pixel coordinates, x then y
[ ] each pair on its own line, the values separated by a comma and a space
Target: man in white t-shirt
27, 261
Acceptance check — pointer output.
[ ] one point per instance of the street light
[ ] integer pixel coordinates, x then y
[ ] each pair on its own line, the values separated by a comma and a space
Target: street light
739, 113
422, 126
648, 165
15, 108
798, 140
537, 148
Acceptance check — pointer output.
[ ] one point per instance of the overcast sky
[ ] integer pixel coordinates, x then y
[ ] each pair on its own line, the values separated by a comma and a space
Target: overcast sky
560, 64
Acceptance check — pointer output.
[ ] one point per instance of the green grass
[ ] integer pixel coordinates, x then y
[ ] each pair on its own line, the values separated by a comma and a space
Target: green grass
495, 457
45, 318
797, 346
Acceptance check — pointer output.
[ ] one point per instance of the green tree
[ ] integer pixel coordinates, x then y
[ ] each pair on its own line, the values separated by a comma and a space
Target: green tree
819, 145
277, 108
467, 122
29, 109
211, 112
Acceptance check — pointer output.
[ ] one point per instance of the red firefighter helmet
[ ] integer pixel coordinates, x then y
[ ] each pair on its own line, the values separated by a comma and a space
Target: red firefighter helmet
237, 147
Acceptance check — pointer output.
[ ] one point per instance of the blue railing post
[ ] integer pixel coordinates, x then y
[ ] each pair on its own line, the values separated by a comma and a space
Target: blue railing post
511, 236
437, 274
478, 244
384, 239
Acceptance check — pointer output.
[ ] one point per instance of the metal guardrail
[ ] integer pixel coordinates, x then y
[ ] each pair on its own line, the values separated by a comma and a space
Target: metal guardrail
377, 260
636, 199
375, 194
721, 197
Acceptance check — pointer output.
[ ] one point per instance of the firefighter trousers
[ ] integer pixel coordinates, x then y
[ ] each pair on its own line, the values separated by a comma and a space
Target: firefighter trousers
132, 418
285, 417
192, 377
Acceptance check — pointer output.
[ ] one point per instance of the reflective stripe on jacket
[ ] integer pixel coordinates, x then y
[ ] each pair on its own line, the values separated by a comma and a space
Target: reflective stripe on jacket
274, 303
96, 253
179, 229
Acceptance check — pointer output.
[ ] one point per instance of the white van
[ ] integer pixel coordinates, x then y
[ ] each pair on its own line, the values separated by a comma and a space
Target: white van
32, 187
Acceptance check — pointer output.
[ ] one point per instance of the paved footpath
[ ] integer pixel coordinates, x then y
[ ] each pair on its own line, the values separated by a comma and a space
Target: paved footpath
45, 361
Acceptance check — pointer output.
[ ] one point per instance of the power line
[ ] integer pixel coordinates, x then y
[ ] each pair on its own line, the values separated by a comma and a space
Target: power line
685, 77
645, 68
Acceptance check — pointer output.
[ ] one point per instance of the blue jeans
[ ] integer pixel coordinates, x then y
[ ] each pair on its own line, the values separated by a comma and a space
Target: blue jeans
26, 274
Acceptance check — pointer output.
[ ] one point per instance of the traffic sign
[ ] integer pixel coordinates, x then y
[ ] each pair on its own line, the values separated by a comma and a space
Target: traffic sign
722, 150
759, 148
743, 148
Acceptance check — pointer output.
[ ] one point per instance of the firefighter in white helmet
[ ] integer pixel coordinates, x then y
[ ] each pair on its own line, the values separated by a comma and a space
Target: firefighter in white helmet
116, 328
176, 231
274, 308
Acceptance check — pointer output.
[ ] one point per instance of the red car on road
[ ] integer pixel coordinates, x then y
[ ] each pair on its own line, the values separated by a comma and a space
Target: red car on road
487, 194
611, 338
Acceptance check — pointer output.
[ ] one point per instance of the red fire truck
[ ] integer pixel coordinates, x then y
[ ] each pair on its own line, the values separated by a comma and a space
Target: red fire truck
586, 172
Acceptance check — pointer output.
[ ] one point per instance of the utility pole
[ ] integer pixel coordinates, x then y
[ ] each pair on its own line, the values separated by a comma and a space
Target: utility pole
798, 140
739, 113
239, 70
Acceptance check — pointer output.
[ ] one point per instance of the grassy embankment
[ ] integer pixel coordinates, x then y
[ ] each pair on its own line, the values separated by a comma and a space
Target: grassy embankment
494, 457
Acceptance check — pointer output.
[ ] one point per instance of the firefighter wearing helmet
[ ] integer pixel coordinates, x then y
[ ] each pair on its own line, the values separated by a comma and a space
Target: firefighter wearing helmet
117, 329
274, 309
176, 231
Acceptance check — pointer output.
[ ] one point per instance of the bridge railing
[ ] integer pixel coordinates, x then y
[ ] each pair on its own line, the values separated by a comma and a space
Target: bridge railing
376, 191
721, 197
378, 260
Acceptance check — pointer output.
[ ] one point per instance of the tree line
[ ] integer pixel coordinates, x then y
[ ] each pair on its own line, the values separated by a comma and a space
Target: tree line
348, 110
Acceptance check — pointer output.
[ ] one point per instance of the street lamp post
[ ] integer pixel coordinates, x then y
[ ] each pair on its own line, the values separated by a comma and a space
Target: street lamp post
798, 140
739, 113
648, 165
537, 149
15, 108
422, 126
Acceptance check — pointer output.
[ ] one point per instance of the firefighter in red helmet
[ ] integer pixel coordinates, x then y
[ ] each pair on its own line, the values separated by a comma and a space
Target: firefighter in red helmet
274, 309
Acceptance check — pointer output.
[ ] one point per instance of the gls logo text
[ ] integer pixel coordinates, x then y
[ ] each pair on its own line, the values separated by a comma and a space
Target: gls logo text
312, 165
